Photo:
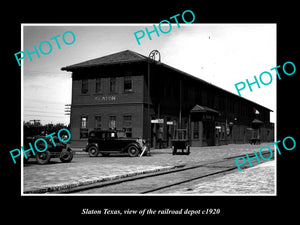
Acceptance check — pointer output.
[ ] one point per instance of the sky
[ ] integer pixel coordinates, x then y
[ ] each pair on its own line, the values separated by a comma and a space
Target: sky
222, 54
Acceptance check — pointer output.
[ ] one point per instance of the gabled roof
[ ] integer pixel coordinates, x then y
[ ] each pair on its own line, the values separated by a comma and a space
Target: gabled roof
126, 56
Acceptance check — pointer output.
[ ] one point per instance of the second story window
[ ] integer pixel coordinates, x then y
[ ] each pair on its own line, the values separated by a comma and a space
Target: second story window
127, 84
98, 85
84, 86
113, 85
112, 122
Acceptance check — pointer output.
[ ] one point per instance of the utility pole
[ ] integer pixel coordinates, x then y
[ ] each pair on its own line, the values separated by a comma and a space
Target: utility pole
68, 112
151, 59
68, 109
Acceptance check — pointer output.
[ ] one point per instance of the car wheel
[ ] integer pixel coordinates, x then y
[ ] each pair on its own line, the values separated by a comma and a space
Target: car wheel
93, 151
43, 157
66, 156
133, 151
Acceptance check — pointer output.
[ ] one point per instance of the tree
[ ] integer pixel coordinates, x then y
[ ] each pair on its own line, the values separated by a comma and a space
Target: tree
36, 128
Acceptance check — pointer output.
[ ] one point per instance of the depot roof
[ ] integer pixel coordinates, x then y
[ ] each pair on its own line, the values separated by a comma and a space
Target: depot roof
126, 56
129, 56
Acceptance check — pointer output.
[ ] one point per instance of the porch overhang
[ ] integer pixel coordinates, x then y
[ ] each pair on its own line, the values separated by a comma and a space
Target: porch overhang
203, 109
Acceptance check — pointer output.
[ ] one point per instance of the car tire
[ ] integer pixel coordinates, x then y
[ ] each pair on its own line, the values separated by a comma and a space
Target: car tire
93, 151
66, 156
133, 151
43, 157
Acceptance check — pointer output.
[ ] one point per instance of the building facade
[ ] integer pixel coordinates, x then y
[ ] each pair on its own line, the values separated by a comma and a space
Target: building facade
152, 100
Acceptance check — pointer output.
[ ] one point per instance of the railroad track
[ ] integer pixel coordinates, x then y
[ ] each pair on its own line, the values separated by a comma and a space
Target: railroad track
157, 181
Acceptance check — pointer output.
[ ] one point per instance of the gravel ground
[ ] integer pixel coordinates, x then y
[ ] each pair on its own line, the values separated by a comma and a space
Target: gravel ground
258, 180
83, 169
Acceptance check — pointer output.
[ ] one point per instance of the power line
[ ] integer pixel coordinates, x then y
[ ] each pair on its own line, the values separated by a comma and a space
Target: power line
62, 116
43, 109
51, 72
43, 101
39, 111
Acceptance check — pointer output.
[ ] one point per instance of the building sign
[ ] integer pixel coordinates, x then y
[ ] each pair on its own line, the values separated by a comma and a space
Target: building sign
157, 121
218, 128
105, 98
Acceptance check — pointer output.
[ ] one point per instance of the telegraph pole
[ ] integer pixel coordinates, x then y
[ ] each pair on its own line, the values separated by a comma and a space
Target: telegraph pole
151, 58
68, 109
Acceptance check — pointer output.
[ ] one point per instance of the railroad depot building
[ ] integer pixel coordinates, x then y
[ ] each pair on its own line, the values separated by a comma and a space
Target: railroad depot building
112, 92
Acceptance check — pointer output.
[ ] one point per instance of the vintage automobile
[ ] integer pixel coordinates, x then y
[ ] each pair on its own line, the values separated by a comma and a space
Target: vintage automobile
61, 150
112, 141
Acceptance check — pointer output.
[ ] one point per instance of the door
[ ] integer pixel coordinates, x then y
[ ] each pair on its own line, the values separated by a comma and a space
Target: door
210, 133
111, 141
101, 136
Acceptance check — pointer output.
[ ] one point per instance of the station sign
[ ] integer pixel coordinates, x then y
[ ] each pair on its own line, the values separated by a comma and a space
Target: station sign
105, 98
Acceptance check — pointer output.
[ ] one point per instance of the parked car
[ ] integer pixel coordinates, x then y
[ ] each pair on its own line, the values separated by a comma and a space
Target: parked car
61, 150
112, 141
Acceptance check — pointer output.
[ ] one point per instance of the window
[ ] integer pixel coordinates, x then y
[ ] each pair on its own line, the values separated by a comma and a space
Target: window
83, 122
121, 134
97, 122
127, 84
112, 85
196, 130
127, 125
84, 86
83, 127
223, 128
98, 85
112, 122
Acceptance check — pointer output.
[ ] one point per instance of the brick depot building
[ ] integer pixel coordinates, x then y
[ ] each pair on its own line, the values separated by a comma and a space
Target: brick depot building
111, 92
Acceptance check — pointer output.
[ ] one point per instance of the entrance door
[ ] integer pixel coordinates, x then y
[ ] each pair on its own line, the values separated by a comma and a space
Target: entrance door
170, 130
210, 133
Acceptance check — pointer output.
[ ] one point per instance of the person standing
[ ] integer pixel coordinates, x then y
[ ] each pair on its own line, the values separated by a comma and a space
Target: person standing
160, 136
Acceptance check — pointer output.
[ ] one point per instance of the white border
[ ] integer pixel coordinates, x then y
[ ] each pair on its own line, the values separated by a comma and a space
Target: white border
22, 112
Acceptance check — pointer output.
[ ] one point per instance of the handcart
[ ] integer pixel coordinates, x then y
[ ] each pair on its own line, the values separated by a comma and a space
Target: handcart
180, 141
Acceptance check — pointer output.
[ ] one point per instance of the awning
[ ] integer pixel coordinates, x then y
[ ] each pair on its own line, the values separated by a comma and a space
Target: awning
256, 121
203, 109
